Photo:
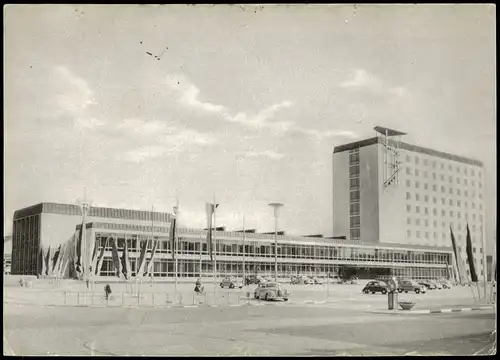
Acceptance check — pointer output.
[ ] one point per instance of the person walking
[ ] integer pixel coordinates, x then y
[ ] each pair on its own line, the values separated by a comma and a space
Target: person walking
198, 288
107, 291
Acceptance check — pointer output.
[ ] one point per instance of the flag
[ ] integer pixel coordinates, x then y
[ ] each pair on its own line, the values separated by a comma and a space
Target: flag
55, 258
172, 237
93, 262
470, 257
40, 261
79, 251
142, 257
100, 259
151, 261
61, 259
115, 256
125, 261
210, 208
457, 256
47, 262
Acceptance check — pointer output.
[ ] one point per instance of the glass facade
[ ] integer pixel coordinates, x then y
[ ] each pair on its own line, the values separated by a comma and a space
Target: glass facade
354, 195
25, 245
294, 257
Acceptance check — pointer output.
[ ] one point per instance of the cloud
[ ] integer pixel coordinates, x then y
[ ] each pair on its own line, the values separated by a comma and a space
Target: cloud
144, 127
76, 94
266, 153
261, 119
143, 153
189, 98
167, 139
363, 80
89, 123
321, 135
189, 94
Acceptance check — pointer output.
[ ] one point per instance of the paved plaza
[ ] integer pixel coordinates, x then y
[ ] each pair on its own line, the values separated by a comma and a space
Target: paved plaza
338, 320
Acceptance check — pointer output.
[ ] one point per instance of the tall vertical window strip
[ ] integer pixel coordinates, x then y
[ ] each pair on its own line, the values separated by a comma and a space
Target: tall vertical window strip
354, 195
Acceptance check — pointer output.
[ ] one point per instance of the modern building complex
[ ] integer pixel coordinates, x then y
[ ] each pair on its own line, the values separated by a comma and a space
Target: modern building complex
388, 191
234, 252
48, 225
393, 207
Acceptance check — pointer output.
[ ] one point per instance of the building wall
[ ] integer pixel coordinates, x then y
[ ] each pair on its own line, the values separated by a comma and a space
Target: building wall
369, 199
435, 191
48, 225
341, 194
25, 244
391, 205
443, 193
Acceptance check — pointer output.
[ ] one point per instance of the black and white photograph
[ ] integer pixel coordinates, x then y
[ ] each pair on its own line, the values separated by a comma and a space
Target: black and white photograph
249, 180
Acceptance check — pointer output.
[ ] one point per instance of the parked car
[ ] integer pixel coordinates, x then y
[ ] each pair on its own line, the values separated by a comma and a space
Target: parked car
350, 280
411, 285
335, 278
428, 284
297, 280
252, 279
231, 283
271, 291
445, 283
436, 284
314, 280
376, 286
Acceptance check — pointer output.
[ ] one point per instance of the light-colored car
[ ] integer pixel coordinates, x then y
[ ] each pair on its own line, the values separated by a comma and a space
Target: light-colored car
438, 285
271, 291
445, 283
315, 280
231, 283
410, 285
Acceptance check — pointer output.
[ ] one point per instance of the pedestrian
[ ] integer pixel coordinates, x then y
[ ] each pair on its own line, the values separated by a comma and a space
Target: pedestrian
107, 291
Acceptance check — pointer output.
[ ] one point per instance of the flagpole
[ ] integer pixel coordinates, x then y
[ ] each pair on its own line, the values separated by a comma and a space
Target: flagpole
214, 239
244, 249
176, 245
153, 242
484, 261
493, 272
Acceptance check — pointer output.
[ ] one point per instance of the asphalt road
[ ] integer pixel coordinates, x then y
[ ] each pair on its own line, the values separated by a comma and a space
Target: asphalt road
277, 329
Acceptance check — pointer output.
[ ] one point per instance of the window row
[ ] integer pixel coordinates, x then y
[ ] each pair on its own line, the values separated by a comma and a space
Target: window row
443, 189
442, 166
426, 222
192, 246
425, 211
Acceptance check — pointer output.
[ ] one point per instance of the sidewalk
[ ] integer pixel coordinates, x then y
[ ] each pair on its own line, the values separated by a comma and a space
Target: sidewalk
435, 310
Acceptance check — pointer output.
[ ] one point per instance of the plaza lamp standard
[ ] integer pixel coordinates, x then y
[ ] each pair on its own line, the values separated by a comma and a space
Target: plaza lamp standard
276, 207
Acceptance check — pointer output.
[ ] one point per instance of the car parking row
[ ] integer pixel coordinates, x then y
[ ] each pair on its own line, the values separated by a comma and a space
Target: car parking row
406, 285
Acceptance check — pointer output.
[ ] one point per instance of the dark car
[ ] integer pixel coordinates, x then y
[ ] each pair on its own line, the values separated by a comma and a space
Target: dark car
375, 286
252, 279
429, 285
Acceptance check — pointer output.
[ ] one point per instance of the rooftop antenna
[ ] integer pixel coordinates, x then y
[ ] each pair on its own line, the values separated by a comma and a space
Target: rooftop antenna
392, 163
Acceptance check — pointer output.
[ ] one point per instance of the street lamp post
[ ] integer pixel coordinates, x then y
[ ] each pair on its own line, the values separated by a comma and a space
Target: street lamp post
276, 207
86, 276
175, 210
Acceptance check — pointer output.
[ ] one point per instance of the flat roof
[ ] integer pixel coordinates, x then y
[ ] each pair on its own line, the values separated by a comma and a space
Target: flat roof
159, 230
386, 131
96, 211
408, 147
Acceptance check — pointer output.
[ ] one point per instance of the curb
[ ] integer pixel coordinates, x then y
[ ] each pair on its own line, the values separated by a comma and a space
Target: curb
429, 311
311, 302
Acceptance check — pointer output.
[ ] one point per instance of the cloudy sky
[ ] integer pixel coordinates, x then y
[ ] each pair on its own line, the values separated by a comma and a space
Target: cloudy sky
140, 104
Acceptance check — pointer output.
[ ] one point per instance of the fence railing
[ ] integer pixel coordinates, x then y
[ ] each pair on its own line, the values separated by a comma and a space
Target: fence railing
145, 299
